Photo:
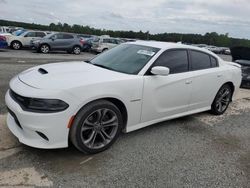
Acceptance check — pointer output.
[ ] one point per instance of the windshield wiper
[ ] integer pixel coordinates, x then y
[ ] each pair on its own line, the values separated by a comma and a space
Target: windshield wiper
98, 65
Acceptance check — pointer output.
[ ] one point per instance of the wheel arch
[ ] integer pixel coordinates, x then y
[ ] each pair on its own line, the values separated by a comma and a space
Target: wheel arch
117, 102
15, 40
46, 44
231, 86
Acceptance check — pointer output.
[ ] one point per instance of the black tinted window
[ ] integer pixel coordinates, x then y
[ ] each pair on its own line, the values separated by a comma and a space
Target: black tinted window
213, 62
40, 34
175, 60
200, 60
67, 36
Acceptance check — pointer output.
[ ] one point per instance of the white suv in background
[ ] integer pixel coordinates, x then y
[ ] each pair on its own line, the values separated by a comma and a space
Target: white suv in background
24, 40
103, 43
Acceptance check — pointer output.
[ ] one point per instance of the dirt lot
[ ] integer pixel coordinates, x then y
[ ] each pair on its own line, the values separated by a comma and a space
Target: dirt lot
201, 150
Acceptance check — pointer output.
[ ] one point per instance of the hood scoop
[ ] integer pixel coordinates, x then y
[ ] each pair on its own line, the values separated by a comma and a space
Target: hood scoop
42, 71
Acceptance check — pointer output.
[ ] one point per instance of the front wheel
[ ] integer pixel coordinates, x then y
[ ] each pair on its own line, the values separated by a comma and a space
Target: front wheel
44, 48
222, 100
96, 127
16, 45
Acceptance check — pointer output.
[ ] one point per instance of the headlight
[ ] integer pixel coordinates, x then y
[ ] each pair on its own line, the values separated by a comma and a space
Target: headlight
39, 105
46, 105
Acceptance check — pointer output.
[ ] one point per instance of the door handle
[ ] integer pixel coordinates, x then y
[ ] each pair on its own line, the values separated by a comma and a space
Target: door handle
188, 81
219, 75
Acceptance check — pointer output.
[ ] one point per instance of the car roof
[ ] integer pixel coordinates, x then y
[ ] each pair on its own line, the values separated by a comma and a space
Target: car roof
171, 45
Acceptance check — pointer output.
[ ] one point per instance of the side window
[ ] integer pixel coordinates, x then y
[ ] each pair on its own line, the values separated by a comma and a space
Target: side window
175, 60
200, 60
67, 36
40, 34
214, 62
58, 36
106, 41
30, 34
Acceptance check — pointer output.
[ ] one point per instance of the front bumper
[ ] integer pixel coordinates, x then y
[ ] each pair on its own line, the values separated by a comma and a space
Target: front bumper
28, 126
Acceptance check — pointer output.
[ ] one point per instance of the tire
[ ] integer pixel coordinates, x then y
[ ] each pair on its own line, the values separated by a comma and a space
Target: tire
222, 100
77, 50
16, 45
96, 127
44, 48
105, 49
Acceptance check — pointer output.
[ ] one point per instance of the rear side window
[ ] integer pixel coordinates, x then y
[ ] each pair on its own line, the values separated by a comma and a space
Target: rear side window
67, 36
200, 60
214, 62
40, 34
175, 60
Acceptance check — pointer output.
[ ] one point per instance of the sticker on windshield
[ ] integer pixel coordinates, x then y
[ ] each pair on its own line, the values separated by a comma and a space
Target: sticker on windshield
146, 52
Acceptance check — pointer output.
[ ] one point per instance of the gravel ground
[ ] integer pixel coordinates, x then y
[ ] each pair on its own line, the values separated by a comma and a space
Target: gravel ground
201, 150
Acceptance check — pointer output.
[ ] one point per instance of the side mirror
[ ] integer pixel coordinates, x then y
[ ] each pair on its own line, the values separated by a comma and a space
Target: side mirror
159, 70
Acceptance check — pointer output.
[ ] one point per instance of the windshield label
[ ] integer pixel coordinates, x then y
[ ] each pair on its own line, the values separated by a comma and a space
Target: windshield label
146, 52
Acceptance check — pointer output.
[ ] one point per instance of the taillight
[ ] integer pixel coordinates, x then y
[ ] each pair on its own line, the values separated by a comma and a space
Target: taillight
82, 41
3, 38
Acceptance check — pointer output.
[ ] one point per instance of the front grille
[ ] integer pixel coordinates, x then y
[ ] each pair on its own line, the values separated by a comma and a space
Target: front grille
22, 101
15, 118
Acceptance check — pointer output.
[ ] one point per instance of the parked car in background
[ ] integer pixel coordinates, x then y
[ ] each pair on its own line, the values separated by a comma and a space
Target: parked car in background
3, 42
241, 55
59, 41
214, 49
227, 51
87, 41
129, 87
103, 43
24, 39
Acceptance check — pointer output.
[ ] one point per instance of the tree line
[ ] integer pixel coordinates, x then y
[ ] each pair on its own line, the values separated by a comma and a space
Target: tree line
212, 38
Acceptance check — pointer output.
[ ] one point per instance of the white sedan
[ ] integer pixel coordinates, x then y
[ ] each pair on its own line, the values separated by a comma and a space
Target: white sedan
126, 88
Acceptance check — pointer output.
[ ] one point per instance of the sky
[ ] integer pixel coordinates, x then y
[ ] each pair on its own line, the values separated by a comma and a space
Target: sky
155, 16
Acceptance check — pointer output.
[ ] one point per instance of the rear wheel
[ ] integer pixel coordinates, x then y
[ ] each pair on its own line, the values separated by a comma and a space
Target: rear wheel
16, 45
96, 127
105, 49
44, 48
222, 100
77, 50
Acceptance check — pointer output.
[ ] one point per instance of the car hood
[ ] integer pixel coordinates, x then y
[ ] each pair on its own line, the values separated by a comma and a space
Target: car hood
68, 75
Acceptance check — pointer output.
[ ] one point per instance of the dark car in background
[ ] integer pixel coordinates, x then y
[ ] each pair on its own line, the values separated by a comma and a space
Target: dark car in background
3, 42
241, 55
59, 41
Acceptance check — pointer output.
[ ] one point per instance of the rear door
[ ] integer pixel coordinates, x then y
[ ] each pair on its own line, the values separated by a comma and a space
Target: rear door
207, 78
166, 96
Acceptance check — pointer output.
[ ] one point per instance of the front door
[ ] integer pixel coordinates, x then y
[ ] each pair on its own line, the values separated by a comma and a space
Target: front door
166, 96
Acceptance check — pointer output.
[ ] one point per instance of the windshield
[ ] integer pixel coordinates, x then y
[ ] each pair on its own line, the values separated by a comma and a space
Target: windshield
125, 58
